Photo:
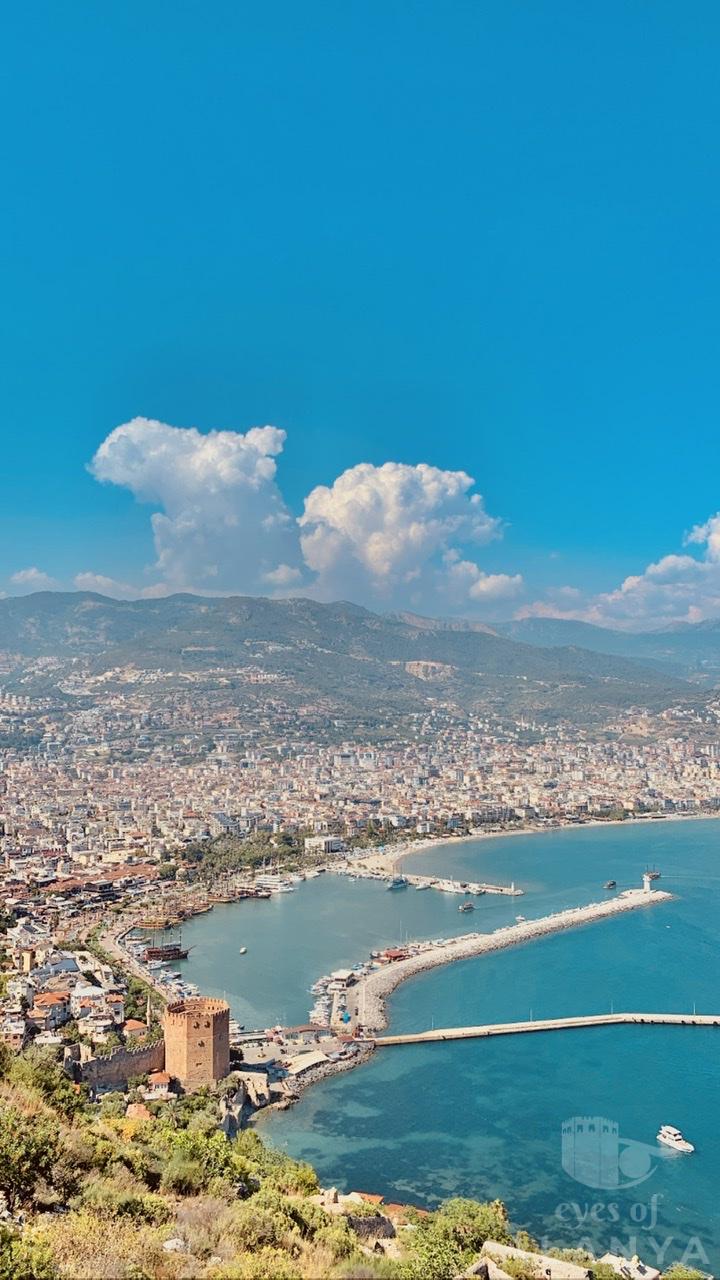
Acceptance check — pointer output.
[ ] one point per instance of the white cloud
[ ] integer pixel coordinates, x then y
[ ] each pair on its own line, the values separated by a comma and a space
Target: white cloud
466, 581
33, 579
675, 588
105, 586
389, 534
283, 576
222, 523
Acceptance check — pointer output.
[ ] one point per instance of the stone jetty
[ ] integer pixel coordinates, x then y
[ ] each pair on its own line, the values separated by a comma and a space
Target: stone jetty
367, 1007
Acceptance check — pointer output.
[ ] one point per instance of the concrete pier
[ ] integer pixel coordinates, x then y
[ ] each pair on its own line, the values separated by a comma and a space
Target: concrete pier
440, 883
552, 1024
367, 1008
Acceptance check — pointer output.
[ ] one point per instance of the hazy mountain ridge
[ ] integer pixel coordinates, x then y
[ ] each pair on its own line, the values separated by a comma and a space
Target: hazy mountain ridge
339, 651
684, 649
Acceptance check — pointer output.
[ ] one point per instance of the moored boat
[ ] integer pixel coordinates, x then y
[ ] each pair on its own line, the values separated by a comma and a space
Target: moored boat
399, 882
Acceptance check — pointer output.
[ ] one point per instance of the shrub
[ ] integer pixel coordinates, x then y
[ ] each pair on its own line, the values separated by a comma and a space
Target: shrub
338, 1238
266, 1264
108, 1200
28, 1150
85, 1246
256, 1225
40, 1070
113, 1106
470, 1223
521, 1268
21, 1258
183, 1176
443, 1244
527, 1242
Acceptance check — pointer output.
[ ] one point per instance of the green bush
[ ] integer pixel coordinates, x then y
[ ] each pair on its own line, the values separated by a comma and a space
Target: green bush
183, 1176
28, 1151
111, 1201
266, 1264
446, 1242
338, 1238
263, 1222
24, 1259
40, 1070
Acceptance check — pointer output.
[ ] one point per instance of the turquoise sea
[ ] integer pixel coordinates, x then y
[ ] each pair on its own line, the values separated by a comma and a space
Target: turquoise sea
484, 1118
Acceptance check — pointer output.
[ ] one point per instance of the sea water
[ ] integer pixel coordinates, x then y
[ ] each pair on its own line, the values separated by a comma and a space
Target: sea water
485, 1118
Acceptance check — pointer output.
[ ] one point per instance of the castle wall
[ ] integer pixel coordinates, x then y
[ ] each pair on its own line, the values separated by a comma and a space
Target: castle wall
113, 1070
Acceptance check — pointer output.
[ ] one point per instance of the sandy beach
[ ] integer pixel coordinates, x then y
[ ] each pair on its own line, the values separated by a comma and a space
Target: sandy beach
387, 861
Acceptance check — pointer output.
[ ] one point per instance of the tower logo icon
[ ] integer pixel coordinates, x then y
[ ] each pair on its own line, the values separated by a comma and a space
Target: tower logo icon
594, 1154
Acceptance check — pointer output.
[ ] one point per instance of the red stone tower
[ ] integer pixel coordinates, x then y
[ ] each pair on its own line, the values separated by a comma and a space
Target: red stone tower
197, 1041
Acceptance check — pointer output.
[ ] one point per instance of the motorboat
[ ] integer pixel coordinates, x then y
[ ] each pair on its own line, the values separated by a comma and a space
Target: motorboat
243, 951
610, 884
466, 906
669, 1136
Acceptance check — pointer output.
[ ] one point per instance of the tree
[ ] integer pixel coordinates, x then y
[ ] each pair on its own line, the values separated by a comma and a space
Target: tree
28, 1150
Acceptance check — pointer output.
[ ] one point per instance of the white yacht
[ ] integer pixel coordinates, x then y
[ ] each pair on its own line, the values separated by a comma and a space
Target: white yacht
671, 1137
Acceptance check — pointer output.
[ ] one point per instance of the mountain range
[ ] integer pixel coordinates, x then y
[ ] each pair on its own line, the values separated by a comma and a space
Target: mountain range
342, 653
690, 650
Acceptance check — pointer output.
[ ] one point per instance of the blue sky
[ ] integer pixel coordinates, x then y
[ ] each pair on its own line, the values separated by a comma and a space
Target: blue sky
477, 236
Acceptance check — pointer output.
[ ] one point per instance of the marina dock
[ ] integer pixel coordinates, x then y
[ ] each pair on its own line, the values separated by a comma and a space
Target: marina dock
442, 884
551, 1024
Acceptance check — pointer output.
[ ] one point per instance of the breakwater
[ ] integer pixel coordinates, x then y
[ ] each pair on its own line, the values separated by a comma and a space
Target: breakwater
367, 1009
552, 1024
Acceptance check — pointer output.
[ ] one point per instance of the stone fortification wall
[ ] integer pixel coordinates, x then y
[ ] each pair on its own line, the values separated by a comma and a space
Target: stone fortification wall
113, 1070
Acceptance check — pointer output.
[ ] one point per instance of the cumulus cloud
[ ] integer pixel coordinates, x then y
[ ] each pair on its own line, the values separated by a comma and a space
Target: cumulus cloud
391, 533
388, 536
33, 579
105, 586
464, 580
222, 523
675, 588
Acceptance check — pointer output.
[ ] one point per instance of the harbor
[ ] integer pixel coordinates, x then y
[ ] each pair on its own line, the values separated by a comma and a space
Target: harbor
367, 1009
